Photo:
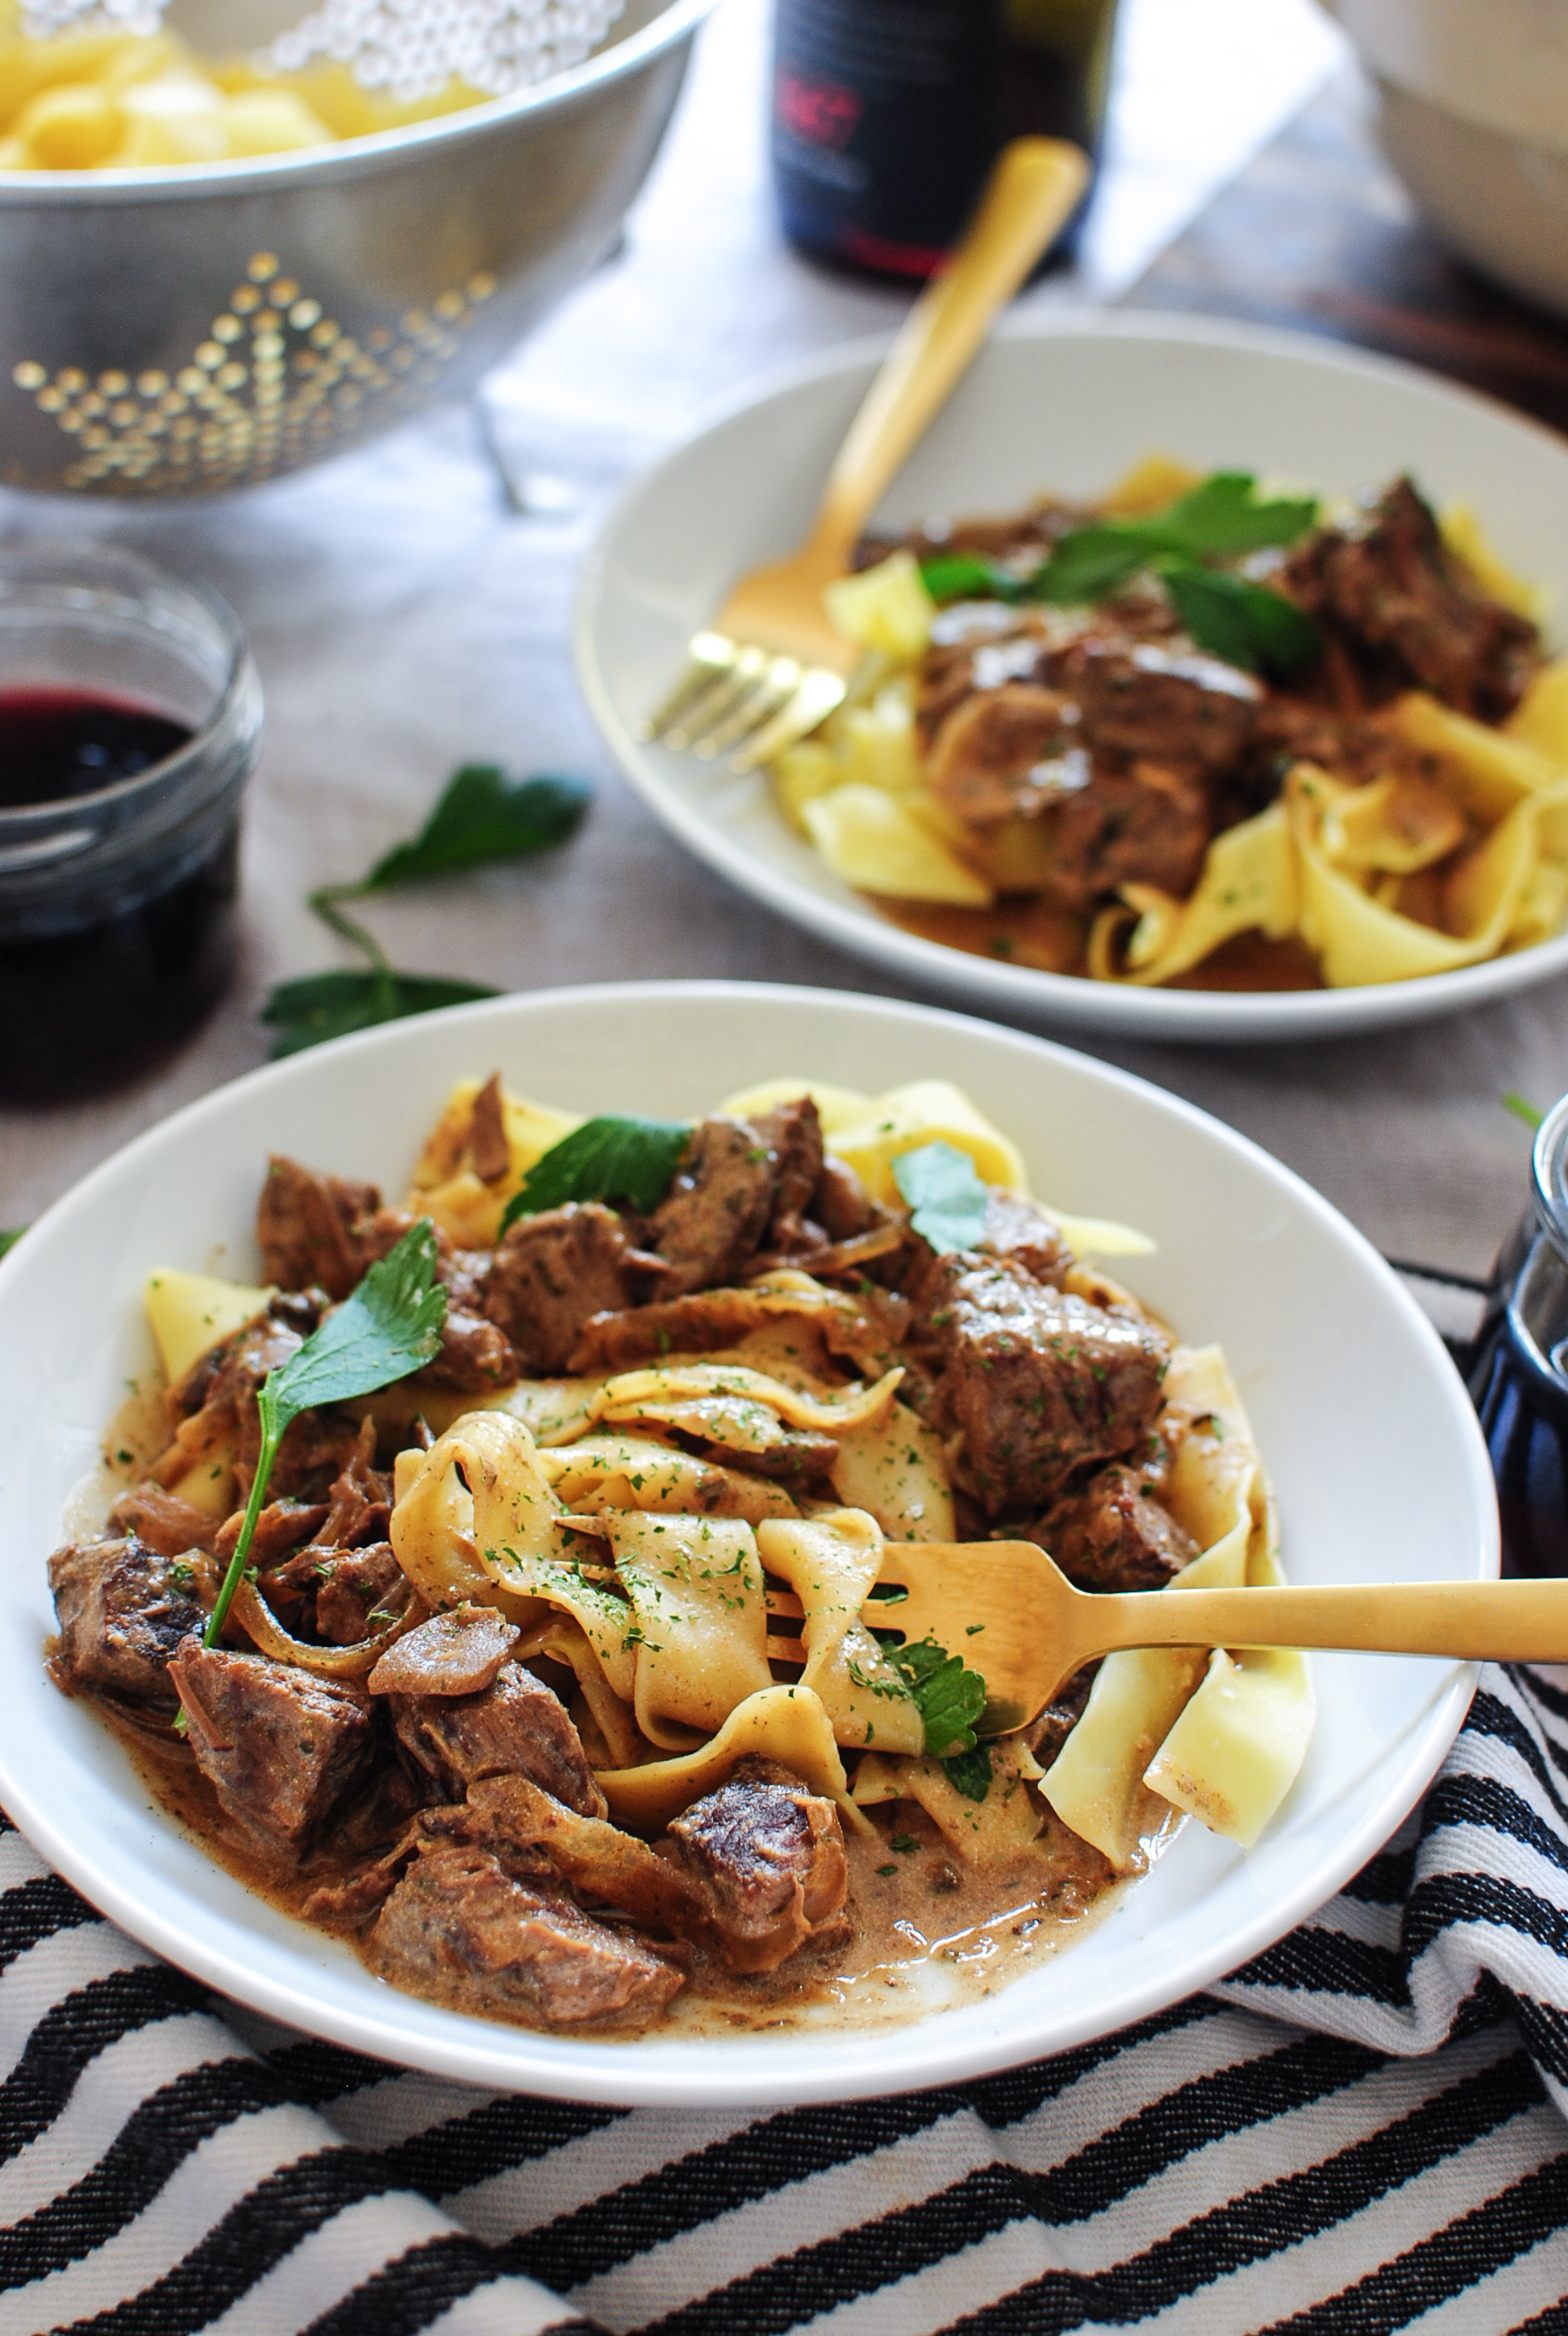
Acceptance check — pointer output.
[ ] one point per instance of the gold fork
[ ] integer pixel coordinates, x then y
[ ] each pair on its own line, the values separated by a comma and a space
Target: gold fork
1020, 1623
771, 667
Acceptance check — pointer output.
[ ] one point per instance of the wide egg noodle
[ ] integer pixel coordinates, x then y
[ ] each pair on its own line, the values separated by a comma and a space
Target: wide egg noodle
699, 1618
1248, 882
565, 1641
990, 1832
893, 1467
1360, 939
730, 1404
1100, 1781
784, 1724
831, 1565
618, 1470
475, 1518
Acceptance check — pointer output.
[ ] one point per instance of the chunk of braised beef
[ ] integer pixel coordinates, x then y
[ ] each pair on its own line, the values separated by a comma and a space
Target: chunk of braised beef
163, 1521
1039, 1381
514, 1724
282, 1748
1142, 702
282, 1527
1046, 1735
794, 1135
841, 1203
697, 1323
1388, 583
353, 1586
460, 1924
475, 1358
552, 1273
459, 1651
316, 1447
712, 1221
770, 1855
307, 1228
123, 1609
600, 1863
1116, 1533
1006, 752
1149, 825
800, 1458
488, 1148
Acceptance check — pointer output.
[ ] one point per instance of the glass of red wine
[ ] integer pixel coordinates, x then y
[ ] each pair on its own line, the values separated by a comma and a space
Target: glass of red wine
130, 722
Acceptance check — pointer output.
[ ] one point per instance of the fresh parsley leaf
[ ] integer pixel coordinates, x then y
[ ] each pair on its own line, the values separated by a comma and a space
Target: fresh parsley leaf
1222, 519
949, 1697
1091, 563
324, 1005
482, 815
9, 1240
385, 1328
614, 1158
947, 1199
970, 1771
1245, 624
961, 576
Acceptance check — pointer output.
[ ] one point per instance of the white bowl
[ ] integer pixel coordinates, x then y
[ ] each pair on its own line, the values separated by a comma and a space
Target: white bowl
1378, 1462
1067, 404
1474, 116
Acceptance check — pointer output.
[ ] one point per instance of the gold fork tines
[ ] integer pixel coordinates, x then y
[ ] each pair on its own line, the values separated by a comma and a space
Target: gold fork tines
771, 667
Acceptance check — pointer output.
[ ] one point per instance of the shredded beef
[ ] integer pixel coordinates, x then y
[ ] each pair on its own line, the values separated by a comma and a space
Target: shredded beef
352, 1587
552, 1273
1116, 1533
841, 1203
794, 1135
458, 1923
124, 1608
1037, 1381
281, 1748
712, 1218
1388, 584
163, 1521
306, 1227
487, 1145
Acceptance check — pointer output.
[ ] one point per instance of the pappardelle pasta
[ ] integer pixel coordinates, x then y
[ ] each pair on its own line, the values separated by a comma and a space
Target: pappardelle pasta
495, 1583
1202, 736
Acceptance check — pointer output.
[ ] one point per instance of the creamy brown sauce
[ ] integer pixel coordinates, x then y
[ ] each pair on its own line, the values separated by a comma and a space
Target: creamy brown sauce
930, 1935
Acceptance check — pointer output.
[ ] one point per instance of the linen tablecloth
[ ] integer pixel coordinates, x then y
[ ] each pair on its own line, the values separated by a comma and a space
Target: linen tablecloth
1361, 2132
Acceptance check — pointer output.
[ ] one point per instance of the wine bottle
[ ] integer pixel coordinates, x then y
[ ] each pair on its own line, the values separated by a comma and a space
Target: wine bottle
887, 114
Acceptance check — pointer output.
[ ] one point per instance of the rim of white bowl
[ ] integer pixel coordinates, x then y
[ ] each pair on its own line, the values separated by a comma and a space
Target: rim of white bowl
848, 2065
1196, 1017
348, 157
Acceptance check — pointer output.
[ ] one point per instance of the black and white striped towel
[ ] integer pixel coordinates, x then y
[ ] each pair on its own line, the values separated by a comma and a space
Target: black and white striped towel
1362, 2131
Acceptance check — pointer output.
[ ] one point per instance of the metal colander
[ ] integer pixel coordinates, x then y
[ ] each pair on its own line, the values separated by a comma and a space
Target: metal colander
409, 49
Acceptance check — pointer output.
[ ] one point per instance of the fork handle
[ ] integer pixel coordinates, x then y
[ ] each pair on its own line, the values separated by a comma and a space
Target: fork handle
1479, 1621
1031, 190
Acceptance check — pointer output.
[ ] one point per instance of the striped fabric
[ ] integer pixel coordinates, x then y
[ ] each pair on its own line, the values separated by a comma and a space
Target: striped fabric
1361, 2131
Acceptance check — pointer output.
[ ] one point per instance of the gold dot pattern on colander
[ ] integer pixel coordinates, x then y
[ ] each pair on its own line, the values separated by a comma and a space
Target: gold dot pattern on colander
274, 384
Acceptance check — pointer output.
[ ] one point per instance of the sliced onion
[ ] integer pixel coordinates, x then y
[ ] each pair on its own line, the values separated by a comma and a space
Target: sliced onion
251, 1610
